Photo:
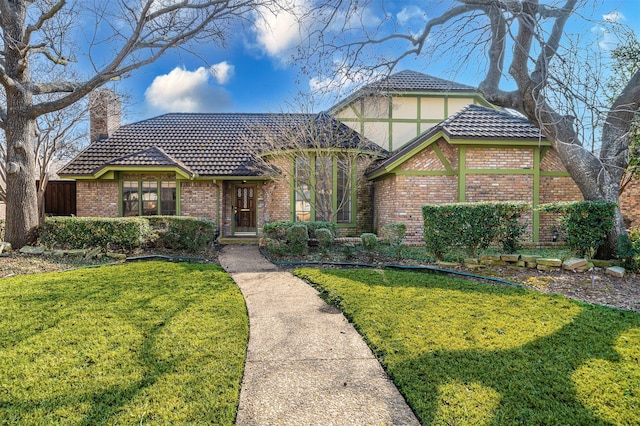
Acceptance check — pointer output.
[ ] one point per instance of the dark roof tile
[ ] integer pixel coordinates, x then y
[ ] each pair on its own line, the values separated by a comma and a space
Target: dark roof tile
203, 144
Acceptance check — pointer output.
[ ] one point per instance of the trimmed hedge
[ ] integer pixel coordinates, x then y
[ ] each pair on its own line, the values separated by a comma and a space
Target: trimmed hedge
369, 241
183, 233
324, 237
298, 238
278, 230
585, 224
175, 232
80, 232
472, 226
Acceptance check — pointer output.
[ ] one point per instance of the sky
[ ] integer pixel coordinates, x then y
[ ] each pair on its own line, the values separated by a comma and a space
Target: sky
253, 72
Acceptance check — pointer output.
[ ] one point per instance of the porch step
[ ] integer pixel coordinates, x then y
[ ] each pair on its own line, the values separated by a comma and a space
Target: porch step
238, 240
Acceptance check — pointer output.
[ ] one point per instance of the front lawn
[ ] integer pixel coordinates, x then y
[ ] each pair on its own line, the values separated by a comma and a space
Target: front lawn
464, 352
138, 343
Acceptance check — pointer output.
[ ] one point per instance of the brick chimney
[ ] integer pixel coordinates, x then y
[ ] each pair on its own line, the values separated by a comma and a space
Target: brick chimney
104, 111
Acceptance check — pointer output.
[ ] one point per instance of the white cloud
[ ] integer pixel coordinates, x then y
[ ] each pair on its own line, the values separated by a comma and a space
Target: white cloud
410, 13
222, 72
279, 30
186, 91
613, 17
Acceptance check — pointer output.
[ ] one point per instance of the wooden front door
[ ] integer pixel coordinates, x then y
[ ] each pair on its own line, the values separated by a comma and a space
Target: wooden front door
245, 209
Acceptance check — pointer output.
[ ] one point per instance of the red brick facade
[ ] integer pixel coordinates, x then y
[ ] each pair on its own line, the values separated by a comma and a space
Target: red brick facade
97, 198
490, 174
630, 203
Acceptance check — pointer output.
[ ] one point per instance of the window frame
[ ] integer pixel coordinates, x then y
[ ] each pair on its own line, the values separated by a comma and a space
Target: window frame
334, 190
141, 184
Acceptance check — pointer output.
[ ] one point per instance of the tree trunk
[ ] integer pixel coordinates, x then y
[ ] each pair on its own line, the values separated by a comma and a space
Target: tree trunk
22, 203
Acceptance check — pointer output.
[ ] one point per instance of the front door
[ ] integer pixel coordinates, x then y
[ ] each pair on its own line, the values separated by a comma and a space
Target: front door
245, 209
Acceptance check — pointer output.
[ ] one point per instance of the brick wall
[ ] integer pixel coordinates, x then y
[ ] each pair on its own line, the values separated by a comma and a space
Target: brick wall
630, 203
499, 158
400, 199
199, 199
97, 198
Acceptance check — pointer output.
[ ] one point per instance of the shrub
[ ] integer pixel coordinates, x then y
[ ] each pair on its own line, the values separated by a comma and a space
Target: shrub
584, 223
324, 237
369, 241
183, 233
628, 250
349, 250
276, 247
279, 229
472, 226
393, 233
78, 233
298, 238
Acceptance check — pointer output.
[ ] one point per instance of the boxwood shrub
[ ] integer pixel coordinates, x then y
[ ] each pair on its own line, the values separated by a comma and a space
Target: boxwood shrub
182, 233
393, 233
174, 232
278, 230
298, 238
472, 226
81, 232
584, 224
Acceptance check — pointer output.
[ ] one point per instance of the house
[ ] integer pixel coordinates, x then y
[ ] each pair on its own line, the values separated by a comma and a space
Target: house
433, 141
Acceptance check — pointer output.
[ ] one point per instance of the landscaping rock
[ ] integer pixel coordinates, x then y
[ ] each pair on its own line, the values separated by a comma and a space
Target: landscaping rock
119, 256
531, 265
93, 253
510, 257
521, 263
615, 271
584, 268
5, 246
549, 262
447, 264
602, 263
489, 257
471, 261
541, 267
574, 263
32, 250
531, 258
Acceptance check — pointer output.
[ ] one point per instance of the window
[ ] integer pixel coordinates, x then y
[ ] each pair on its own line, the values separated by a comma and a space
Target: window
303, 190
323, 189
149, 198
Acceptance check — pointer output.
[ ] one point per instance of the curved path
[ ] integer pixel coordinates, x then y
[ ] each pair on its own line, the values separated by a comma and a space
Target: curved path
306, 365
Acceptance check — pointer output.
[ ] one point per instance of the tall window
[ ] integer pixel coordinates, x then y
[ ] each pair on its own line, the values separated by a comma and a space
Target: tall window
323, 189
149, 198
303, 190
343, 190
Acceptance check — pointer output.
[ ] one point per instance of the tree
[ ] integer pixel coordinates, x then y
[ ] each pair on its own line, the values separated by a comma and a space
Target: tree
626, 61
121, 36
59, 137
525, 44
316, 156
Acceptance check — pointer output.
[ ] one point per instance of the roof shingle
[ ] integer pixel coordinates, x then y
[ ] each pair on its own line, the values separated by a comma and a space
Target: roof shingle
202, 144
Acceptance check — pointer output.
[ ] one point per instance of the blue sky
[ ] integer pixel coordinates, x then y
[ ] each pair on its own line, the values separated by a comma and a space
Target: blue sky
252, 73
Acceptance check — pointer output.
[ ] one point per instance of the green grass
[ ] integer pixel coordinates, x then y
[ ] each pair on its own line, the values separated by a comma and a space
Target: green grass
462, 352
132, 344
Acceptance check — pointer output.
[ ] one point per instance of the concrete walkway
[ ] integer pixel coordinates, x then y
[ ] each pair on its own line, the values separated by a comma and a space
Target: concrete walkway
306, 365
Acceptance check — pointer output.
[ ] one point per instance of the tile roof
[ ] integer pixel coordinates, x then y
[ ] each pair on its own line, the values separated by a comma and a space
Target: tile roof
405, 81
473, 122
479, 122
152, 156
202, 144
413, 81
